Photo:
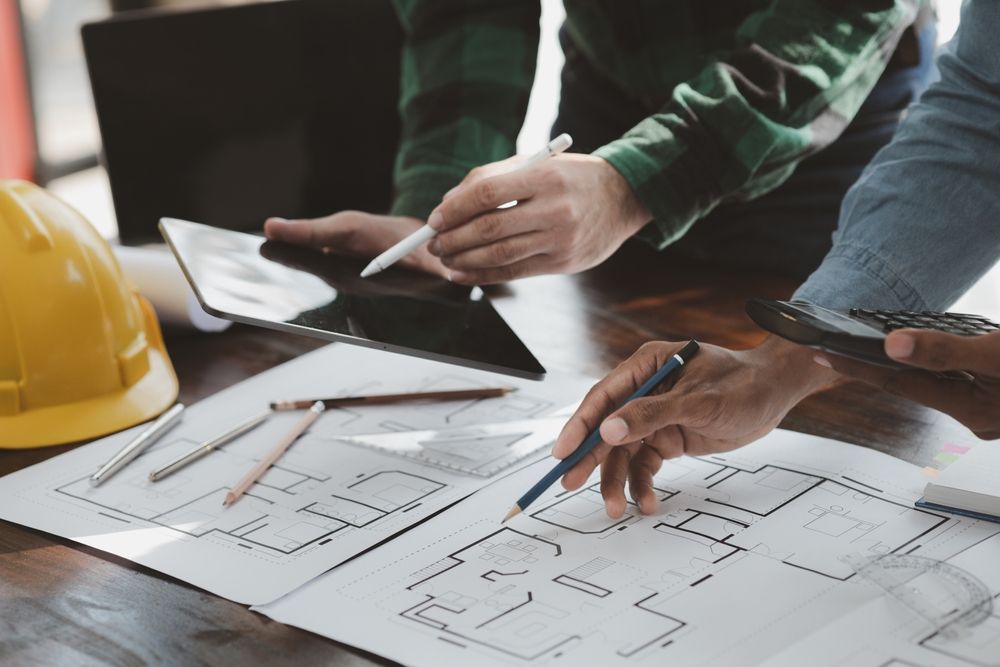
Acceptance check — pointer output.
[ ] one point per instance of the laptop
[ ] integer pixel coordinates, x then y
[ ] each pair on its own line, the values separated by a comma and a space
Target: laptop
233, 114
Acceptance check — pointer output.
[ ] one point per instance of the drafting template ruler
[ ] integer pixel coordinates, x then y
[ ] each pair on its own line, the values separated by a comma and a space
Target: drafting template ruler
948, 597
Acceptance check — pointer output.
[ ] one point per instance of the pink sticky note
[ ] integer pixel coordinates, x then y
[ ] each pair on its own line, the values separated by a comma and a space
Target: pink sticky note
956, 449
931, 472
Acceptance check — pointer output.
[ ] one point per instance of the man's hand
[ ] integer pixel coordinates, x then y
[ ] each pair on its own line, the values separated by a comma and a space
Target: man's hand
572, 213
719, 401
972, 397
356, 233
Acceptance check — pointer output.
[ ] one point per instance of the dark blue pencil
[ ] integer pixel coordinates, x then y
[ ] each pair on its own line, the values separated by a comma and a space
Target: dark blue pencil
594, 438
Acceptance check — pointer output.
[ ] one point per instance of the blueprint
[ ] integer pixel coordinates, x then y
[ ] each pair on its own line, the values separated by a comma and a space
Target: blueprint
323, 503
742, 563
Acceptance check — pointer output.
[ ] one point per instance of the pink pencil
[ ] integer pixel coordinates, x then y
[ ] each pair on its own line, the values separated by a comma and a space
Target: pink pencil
255, 473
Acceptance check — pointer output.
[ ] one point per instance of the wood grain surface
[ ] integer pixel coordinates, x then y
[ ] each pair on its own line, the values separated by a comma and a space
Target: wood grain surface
64, 604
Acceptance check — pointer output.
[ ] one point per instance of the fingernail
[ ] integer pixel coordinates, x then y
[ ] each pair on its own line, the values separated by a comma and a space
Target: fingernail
614, 430
822, 361
434, 247
458, 276
451, 277
900, 345
435, 220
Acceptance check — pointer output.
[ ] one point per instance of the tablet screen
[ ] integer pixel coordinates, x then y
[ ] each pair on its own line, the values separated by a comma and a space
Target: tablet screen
244, 278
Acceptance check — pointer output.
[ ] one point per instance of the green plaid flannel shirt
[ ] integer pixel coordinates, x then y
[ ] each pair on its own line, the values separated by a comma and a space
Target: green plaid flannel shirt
741, 90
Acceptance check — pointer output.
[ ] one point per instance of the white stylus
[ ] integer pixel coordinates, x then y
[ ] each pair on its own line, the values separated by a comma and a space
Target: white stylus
425, 233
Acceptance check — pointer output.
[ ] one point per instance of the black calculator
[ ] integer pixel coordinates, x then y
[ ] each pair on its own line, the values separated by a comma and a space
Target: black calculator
859, 333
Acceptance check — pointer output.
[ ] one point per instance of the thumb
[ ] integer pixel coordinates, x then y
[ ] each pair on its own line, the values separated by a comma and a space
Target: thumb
319, 232
939, 351
352, 232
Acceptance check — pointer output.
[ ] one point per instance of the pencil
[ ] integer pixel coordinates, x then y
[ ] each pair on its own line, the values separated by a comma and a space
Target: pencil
271, 457
594, 438
387, 399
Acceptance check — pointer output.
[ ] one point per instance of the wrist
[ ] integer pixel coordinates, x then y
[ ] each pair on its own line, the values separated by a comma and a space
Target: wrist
793, 366
631, 212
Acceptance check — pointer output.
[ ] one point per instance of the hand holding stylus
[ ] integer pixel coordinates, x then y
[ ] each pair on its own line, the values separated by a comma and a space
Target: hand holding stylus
573, 212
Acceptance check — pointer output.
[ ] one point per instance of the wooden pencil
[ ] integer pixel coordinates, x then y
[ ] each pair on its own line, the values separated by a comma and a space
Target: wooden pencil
272, 456
387, 399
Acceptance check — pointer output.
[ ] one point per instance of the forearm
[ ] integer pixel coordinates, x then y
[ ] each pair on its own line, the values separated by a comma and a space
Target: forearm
739, 128
466, 76
923, 222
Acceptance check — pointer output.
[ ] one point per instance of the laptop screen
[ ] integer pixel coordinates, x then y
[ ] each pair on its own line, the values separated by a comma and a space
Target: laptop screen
229, 115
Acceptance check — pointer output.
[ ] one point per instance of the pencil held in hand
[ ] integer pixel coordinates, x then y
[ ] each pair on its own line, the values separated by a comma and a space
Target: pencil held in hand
272, 457
673, 364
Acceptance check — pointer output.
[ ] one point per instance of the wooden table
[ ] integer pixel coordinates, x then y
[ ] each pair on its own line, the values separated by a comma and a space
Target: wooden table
62, 603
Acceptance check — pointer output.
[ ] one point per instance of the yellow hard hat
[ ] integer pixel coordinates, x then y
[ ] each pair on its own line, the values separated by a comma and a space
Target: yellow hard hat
81, 353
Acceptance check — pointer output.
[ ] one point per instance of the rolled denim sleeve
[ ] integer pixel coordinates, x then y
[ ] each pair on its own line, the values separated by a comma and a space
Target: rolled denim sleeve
922, 224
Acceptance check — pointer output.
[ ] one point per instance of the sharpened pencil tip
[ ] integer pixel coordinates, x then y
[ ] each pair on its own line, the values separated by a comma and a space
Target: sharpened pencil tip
514, 511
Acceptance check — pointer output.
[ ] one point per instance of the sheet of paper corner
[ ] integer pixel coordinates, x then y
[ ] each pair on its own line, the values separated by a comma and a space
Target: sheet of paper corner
215, 560
382, 586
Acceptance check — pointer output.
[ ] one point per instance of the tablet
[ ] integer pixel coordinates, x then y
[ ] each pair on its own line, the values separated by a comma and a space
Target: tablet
245, 278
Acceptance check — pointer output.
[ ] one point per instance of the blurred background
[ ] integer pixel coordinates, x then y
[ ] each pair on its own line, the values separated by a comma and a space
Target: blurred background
60, 117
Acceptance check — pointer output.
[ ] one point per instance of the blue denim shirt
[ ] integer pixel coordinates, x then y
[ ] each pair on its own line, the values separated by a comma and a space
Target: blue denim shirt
922, 224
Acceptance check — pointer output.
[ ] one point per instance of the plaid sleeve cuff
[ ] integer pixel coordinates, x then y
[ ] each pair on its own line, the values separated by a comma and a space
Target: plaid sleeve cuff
672, 216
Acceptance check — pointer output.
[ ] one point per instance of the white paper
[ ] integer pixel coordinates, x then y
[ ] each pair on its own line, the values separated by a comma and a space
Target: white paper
483, 450
155, 272
741, 561
970, 483
324, 502
884, 633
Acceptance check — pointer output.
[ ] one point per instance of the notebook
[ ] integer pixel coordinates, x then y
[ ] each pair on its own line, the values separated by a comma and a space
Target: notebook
970, 486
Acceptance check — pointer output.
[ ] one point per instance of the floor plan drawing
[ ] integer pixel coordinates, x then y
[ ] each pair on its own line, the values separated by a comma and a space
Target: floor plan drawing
482, 450
885, 632
709, 579
322, 503
262, 522
520, 405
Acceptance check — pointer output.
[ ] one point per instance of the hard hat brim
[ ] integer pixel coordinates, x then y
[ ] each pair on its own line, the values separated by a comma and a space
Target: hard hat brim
91, 418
